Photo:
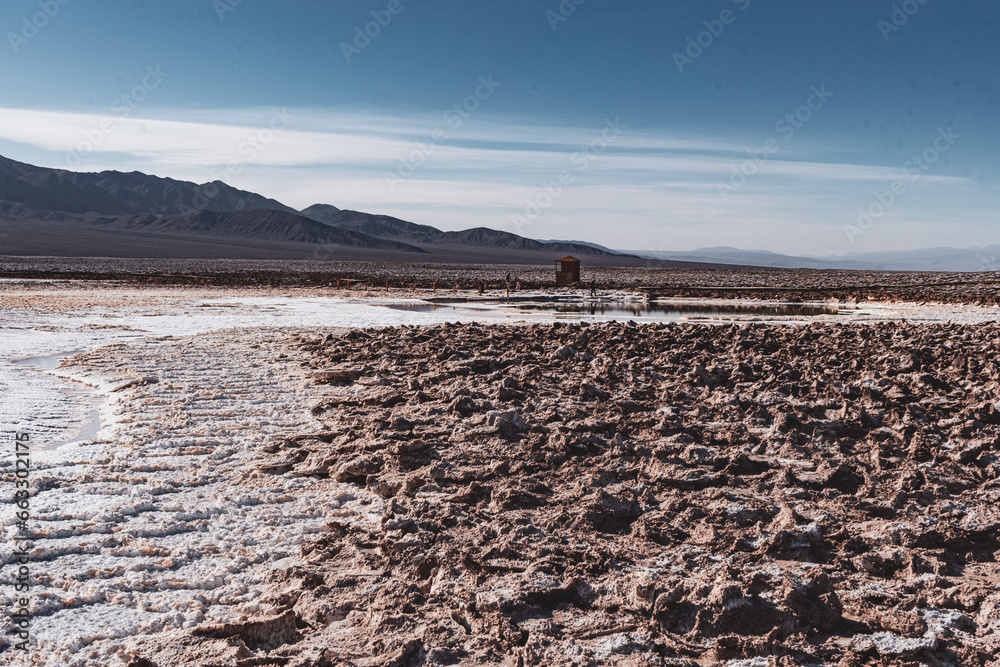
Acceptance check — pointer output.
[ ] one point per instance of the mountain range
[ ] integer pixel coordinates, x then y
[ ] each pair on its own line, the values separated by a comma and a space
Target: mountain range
115, 214
928, 259
63, 213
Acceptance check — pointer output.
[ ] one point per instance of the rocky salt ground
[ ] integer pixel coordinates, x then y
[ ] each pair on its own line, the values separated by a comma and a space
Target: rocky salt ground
189, 529
616, 494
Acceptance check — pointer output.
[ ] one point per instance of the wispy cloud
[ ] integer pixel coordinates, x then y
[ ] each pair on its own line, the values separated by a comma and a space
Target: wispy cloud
646, 189
212, 138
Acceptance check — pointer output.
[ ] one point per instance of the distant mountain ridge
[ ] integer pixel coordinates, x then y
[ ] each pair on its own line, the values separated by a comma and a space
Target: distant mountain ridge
387, 227
383, 226
117, 193
143, 204
928, 259
253, 224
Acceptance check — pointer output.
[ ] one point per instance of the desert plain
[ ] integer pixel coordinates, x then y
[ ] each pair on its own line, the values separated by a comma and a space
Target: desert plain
378, 466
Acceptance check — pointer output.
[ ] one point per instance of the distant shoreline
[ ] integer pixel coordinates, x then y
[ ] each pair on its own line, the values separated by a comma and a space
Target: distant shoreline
980, 288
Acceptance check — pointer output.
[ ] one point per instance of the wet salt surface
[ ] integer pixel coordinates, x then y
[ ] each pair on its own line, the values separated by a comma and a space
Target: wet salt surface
669, 311
159, 520
47, 362
657, 311
84, 395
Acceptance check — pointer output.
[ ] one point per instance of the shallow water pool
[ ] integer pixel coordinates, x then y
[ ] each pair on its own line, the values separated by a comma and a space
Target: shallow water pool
651, 310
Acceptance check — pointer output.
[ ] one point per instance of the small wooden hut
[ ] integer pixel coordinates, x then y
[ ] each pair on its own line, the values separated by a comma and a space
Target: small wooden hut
567, 270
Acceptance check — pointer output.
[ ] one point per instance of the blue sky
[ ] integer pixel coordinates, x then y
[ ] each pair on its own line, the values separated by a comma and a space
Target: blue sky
819, 128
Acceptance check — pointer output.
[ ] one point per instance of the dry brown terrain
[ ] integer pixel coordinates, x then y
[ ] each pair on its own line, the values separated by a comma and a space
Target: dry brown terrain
641, 495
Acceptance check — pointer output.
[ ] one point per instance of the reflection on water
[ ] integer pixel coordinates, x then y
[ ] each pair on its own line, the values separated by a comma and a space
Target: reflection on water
90, 428
618, 309
435, 307
678, 310
73, 393
47, 362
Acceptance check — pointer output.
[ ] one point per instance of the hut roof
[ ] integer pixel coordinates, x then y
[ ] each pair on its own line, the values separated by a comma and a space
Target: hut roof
568, 258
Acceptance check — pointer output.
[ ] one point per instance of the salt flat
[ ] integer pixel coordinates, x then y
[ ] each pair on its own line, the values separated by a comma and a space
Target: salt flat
142, 527
161, 521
